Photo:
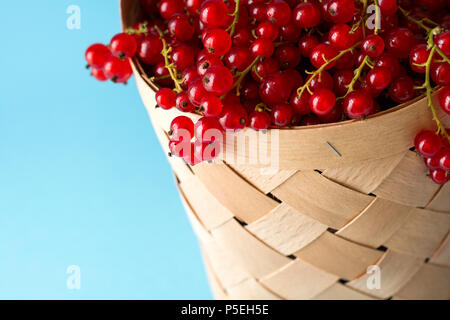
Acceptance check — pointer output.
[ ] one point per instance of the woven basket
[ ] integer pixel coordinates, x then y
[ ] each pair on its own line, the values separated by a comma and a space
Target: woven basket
315, 228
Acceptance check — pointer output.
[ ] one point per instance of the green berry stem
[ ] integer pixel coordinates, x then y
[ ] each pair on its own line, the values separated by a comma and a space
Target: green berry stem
231, 29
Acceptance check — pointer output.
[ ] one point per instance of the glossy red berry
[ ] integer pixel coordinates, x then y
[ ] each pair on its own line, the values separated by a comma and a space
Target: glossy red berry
278, 12
196, 92
309, 120
179, 148
207, 62
322, 101
300, 105
281, 115
379, 78
233, 117
183, 56
238, 59
181, 128
433, 162
444, 99
183, 103
418, 57
118, 70
340, 36
149, 48
264, 68
211, 106
160, 70
165, 98
388, 7
96, 55
218, 80
335, 115
322, 80
188, 76
206, 151
442, 41
208, 129
389, 61
262, 48
189, 155
99, 74
259, 120
399, 42
427, 143
123, 45
358, 104
306, 44
290, 32
373, 45
440, 73
267, 30
338, 11
288, 56
307, 15
444, 158
214, 13
217, 41
257, 11
275, 89
168, 8
341, 80
401, 89
439, 176
242, 38
323, 53
180, 27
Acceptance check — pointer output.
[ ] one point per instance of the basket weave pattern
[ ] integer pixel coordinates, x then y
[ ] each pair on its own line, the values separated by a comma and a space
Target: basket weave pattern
311, 234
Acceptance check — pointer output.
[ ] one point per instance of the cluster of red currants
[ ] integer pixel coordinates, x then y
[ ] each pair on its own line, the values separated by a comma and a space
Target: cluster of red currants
283, 63
112, 62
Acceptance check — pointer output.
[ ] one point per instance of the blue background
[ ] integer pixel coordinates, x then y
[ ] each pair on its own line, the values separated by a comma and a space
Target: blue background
83, 180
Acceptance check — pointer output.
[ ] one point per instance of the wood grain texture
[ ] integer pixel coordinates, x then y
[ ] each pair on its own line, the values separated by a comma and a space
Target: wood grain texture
286, 230
442, 254
338, 256
396, 269
251, 290
422, 234
299, 280
377, 223
342, 292
441, 201
321, 199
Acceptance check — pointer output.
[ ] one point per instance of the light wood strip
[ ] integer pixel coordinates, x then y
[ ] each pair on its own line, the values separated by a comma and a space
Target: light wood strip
299, 280
396, 269
377, 223
422, 234
251, 290
210, 212
264, 182
255, 257
408, 183
286, 230
341, 292
365, 176
441, 201
242, 199
338, 256
218, 291
323, 200
430, 283
442, 255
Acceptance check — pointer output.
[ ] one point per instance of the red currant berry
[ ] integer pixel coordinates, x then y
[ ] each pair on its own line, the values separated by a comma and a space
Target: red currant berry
444, 158
267, 30
278, 12
179, 148
118, 70
167, 8
427, 143
444, 99
218, 80
340, 36
250, 90
281, 115
440, 73
181, 128
257, 11
206, 151
322, 101
189, 155
180, 27
188, 76
193, 6
401, 89
418, 57
96, 55
309, 120
275, 89
439, 176
389, 61
306, 44
399, 42
214, 13
208, 129
162, 76
183, 103
293, 77
238, 59
98, 74
290, 32
183, 56
433, 162
307, 15
123, 45
388, 7
242, 38
373, 45
196, 92
262, 48
165, 98
334, 115
339, 11
358, 104
149, 48
211, 106
259, 120
341, 80
323, 80
217, 41
300, 105
443, 42
323, 53
207, 62
288, 56
379, 78
264, 68
233, 117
